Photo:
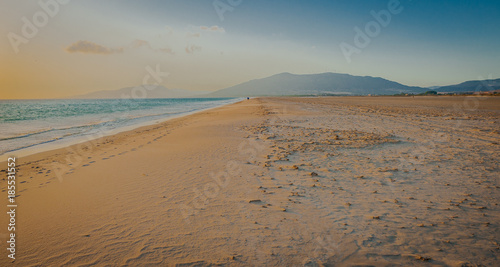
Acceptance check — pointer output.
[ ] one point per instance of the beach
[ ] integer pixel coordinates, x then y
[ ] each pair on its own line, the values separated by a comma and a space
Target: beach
321, 181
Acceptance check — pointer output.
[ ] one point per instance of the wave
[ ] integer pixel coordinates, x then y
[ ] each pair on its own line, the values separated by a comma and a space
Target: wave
68, 128
31, 145
27, 134
38, 132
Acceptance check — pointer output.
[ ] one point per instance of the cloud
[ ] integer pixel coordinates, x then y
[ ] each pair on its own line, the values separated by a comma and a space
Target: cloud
138, 43
167, 50
87, 47
192, 48
142, 43
214, 28
169, 29
195, 35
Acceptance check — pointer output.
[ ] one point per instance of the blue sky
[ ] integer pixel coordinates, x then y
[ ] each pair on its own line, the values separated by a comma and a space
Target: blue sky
101, 45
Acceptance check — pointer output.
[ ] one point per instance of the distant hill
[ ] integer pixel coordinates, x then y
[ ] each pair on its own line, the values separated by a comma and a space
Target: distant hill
155, 92
284, 84
316, 84
472, 86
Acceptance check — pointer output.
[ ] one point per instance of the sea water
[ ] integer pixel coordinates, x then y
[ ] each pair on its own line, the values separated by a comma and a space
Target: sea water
29, 124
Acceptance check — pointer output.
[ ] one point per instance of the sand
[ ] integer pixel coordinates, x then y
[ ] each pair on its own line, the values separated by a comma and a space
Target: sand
333, 181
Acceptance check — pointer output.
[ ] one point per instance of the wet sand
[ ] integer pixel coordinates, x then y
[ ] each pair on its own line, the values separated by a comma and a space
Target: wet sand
334, 181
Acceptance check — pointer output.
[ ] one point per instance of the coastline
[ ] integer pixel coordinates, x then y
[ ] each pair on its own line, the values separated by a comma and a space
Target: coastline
294, 181
48, 146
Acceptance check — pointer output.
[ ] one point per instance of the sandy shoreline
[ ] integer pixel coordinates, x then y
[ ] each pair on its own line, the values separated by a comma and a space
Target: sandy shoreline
273, 181
49, 146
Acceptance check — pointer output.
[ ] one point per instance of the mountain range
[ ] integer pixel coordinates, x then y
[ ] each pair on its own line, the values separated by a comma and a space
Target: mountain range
317, 84
472, 86
304, 84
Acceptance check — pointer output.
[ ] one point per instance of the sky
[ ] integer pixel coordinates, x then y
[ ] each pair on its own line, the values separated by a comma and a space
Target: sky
61, 48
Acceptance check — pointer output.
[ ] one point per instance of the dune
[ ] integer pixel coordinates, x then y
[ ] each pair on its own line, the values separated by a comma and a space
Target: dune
330, 181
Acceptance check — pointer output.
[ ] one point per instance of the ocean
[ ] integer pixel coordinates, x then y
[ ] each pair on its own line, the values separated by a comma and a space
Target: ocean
32, 124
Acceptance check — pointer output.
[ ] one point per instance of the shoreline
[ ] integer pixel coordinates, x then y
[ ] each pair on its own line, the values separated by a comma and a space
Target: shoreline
49, 146
46, 147
276, 181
